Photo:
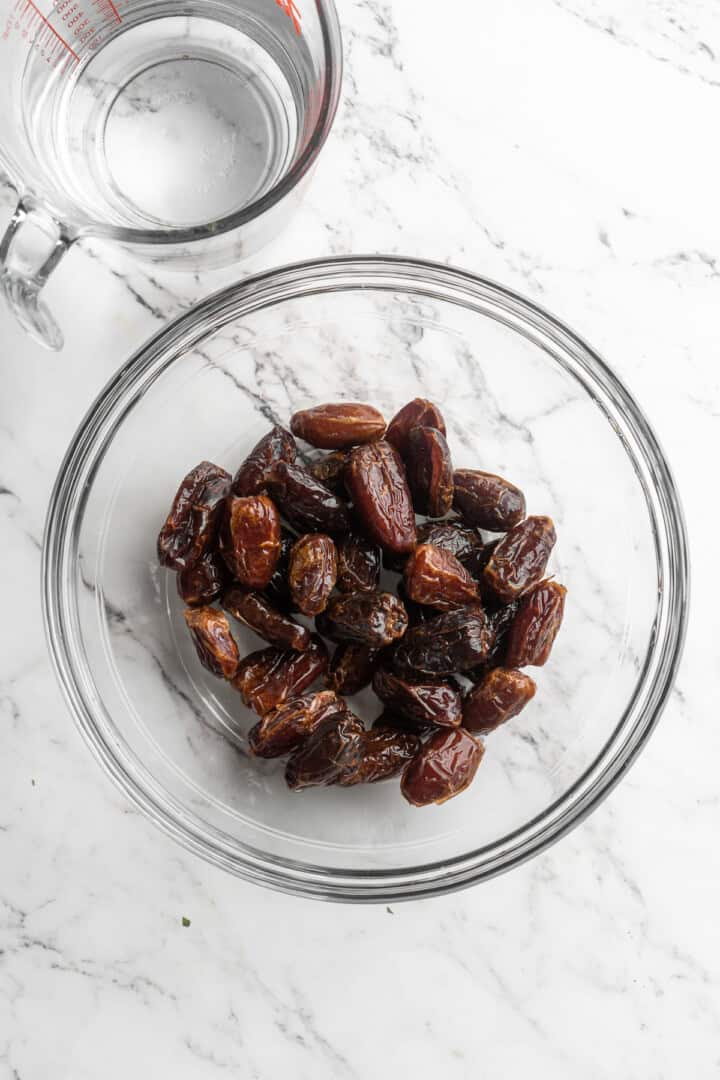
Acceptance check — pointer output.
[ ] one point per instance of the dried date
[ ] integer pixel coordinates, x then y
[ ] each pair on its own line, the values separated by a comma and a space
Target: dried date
351, 668
191, 526
459, 540
312, 572
417, 413
454, 641
282, 730
382, 754
487, 501
268, 678
203, 581
376, 482
256, 611
501, 695
278, 588
519, 560
416, 612
437, 579
445, 767
250, 539
213, 640
359, 564
429, 471
333, 748
330, 470
334, 427
251, 477
306, 503
392, 721
375, 619
427, 702
534, 628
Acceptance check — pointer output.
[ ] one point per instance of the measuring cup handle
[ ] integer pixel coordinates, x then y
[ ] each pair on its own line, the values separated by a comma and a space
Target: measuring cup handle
33, 245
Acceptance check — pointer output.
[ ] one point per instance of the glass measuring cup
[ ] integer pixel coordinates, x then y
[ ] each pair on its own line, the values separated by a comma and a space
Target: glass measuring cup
183, 129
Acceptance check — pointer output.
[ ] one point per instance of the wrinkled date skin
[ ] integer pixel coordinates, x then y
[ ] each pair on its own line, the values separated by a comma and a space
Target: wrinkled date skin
282, 730
330, 470
455, 641
192, 524
252, 476
306, 503
383, 754
421, 702
333, 748
312, 572
487, 501
256, 611
334, 427
268, 678
203, 581
534, 628
445, 767
416, 612
459, 540
375, 619
392, 721
501, 694
519, 560
500, 621
250, 539
437, 579
417, 413
351, 668
429, 471
376, 482
359, 564
214, 643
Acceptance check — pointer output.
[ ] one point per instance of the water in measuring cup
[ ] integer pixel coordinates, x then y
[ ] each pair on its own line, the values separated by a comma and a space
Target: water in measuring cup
174, 121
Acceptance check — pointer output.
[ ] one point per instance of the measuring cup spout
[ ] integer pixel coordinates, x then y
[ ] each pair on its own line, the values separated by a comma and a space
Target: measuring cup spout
33, 245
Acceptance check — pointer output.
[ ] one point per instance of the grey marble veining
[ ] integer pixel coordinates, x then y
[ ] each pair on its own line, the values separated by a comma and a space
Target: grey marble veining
564, 147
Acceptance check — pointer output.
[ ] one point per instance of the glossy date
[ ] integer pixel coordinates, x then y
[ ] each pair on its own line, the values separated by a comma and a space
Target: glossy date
334, 747
417, 413
501, 695
376, 482
307, 504
351, 668
283, 729
519, 560
359, 564
256, 611
375, 619
312, 572
250, 539
203, 581
268, 678
252, 476
213, 640
435, 578
191, 527
487, 501
383, 753
334, 427
429, 471
427, 702
454, 641
535, 626
444, 768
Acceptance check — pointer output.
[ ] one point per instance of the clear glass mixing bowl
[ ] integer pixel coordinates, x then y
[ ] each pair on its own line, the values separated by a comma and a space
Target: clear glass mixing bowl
523, 396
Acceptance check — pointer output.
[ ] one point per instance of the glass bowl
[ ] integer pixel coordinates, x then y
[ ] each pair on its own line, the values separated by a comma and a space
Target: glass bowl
522, 396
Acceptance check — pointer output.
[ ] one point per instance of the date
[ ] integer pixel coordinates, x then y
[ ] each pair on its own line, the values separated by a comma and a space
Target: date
191, 527
375, 619
454, 641
255, 610
213, 640
266, 679
312, 572
501, 695
278, 588
437, 579
330, 470
382, 755
488, 501
351, 668
334, 427
392, 721
460, 540
359, 564
334, 747
417, 413
376, 482
282, 730
250, 539
203, 581
444, 768
535, 627
428, 702
429, 471
252, 476
306, 503
416, 612
519, 560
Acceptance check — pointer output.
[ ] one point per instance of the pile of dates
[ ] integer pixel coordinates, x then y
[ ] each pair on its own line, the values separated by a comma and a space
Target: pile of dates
298, 532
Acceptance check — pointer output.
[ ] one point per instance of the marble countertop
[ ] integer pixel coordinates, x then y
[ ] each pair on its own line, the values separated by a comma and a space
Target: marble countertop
566, 148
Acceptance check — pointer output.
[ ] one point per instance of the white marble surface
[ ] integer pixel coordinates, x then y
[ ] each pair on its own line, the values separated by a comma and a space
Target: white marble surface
566, 148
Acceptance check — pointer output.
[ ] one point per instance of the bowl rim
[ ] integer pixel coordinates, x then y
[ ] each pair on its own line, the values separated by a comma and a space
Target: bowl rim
655, 680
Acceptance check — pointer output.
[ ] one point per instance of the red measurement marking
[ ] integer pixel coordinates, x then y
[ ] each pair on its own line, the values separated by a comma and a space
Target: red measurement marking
36, 9
108, 4
290, 9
